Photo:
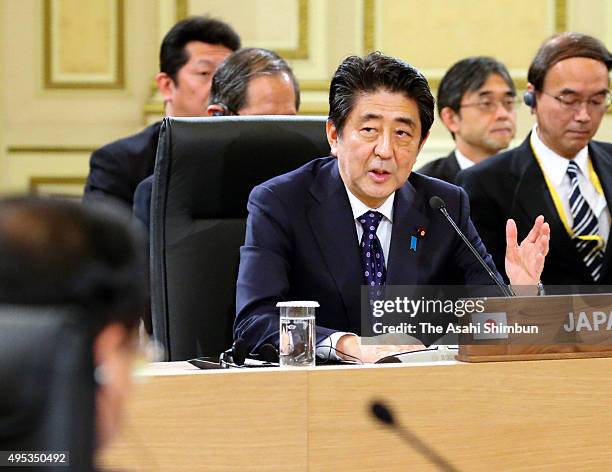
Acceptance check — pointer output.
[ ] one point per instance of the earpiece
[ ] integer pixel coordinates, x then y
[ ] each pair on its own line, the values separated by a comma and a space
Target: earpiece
529, 99
234, 356
101, 375
224, 110
268, 353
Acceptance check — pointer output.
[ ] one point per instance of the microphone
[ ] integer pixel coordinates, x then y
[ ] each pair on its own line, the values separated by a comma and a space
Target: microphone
436, 203
383, 414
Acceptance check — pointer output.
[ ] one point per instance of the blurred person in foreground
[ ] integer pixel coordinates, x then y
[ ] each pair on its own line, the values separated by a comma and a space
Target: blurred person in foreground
54, 252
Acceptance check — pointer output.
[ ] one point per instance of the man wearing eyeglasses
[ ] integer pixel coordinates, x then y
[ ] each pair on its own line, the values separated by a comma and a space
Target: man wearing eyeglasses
476, 101
558, 171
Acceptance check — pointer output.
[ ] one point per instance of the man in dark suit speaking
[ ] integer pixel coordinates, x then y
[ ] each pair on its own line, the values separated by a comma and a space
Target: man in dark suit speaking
337, 223
558, 171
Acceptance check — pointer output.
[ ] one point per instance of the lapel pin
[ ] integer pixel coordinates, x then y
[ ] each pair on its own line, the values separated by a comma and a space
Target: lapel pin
420, 234
413, 243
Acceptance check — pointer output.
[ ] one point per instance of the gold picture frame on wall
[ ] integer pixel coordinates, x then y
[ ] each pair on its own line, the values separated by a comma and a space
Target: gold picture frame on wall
558, 21
66, 187
67, 26
300, 51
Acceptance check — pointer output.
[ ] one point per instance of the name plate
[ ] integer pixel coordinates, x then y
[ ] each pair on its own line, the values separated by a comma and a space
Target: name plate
548, 327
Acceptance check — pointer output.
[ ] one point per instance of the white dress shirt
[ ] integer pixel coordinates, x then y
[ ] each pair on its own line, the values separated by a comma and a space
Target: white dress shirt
463, 161
327, 347
555, 166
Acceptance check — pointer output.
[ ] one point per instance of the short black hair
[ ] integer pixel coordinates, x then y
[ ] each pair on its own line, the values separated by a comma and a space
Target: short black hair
54, 252
172, 54
468, 75
230, 82
565, 46
357, 75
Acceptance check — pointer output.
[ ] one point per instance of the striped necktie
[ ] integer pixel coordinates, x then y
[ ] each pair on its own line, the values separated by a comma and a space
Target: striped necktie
585, 227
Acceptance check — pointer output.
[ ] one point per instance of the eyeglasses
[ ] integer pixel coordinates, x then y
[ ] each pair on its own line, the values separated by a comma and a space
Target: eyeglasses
489, 105
573, 102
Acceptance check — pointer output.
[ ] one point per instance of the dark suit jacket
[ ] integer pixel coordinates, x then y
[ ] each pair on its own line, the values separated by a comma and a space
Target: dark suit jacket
511, 185
117, 168
444, 168
142, 201
301, 244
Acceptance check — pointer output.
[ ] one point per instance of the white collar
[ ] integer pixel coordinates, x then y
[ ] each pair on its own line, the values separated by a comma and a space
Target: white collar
463, 161
554, 165
359, 208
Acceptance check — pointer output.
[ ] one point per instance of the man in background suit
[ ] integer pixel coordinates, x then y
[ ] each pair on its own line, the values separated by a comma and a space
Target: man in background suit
189, 55
476, 100
558, 171
304, 228
251, 81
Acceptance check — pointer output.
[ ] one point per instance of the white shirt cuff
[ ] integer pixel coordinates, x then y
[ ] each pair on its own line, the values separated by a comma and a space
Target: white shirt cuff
326, 349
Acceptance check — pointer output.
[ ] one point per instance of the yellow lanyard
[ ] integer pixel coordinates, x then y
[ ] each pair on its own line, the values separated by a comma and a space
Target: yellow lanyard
559, 206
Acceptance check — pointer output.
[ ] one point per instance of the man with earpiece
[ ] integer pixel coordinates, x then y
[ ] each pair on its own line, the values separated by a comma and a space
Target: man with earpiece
559, 171
252, 81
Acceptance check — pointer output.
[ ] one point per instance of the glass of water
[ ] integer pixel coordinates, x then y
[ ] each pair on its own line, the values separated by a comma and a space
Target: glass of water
297, 333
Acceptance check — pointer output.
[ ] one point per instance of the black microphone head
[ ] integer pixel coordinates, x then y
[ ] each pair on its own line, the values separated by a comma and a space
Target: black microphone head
268, 353
382, 413
436, 203
240, 351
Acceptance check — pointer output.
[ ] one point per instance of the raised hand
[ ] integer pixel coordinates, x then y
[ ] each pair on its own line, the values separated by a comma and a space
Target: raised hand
525, 261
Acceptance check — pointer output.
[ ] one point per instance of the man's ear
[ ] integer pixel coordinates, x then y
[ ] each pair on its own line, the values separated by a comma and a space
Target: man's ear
450, 118
423, 142
332, 137
108, 342
165, 85
215, 109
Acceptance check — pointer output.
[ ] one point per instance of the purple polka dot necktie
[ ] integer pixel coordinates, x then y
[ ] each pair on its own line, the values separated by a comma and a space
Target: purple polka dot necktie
372, 257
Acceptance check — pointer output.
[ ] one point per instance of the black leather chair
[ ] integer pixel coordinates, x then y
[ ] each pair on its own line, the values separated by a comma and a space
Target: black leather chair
46, 385
204, 173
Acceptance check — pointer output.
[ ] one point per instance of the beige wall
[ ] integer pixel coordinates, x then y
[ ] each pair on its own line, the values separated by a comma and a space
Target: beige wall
53, 117
49, 132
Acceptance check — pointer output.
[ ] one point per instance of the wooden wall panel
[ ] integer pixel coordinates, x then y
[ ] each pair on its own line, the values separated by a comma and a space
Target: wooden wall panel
80, 101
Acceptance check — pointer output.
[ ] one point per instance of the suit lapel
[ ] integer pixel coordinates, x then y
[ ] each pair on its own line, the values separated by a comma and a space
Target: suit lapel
408, 216
533, 197
532, 194
331, 219
602, 162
